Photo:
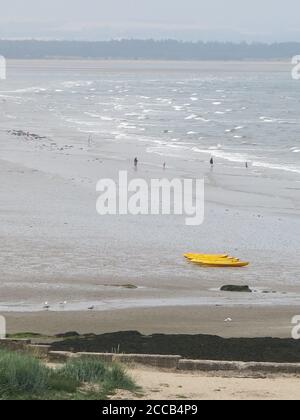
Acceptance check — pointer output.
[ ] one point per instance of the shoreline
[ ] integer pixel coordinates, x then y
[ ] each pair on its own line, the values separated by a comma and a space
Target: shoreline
246, 322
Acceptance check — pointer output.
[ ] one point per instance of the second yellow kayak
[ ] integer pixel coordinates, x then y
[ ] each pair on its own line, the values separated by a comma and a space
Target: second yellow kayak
219, 263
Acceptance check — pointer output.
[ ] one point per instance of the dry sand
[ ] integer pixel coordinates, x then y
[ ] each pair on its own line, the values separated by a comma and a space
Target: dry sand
198, 386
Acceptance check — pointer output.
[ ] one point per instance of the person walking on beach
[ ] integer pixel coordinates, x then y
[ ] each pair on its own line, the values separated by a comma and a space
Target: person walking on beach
212, 162
136, 163
164, 166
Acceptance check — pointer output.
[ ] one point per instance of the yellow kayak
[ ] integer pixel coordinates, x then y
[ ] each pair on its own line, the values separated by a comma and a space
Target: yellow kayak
220, 263
215, 259
207, 256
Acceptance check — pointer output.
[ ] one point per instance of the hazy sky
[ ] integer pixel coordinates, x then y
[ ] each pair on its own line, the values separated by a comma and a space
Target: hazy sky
265, 20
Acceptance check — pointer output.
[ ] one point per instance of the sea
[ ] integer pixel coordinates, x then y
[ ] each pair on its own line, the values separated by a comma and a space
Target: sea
236, 112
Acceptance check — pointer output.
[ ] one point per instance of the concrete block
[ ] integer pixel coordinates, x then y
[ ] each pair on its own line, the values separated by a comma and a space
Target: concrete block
14, 345
37, 350
158, 361
103, 357
60, 356
241, 367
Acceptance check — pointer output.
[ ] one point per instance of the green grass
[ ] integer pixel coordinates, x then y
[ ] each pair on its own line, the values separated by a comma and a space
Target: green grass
108, 377
21, 374
84, 370
22, 377
116, 378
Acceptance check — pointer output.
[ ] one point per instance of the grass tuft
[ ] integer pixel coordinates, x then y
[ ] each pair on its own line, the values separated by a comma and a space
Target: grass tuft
60, 383
20, 373
117, 378
24, 377
84, 370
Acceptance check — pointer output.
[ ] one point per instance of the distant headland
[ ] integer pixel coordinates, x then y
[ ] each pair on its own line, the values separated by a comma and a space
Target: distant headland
134, 49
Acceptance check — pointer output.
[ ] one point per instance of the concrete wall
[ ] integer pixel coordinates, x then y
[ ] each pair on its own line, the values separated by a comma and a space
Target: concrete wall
14, 345
156, 361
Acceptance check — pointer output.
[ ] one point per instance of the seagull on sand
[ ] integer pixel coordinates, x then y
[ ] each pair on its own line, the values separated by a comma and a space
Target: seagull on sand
228, 320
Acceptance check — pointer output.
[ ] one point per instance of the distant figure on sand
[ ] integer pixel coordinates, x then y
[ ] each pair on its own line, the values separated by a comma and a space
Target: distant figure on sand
247, 166
136, 163
164, 166
212, 162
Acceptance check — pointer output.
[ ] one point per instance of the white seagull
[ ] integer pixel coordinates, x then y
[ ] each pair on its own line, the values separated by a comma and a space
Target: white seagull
228, 320
46, 306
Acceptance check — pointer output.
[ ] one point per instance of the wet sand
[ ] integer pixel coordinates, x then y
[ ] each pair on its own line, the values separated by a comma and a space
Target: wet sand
55, 248
246, 321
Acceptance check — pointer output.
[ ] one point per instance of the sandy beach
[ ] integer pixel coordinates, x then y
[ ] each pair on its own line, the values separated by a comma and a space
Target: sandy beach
180, 386
55, 247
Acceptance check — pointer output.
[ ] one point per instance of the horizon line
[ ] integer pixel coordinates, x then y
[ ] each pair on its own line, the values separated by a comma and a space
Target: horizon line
179, 41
